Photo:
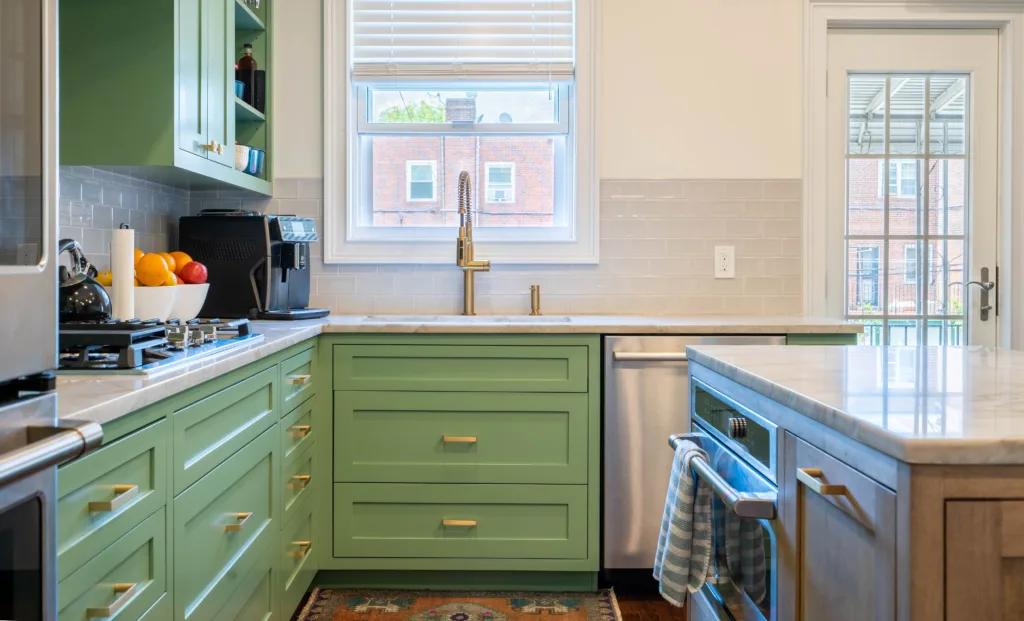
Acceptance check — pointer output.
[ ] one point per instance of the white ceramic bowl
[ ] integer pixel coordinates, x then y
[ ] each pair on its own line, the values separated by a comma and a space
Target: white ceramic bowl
241, 156
151, 302
189, 300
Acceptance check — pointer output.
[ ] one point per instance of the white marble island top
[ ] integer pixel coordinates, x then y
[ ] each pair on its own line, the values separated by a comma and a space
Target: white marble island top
925, 405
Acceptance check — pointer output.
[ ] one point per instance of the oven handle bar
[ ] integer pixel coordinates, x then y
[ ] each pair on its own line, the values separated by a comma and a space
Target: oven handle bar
745, 505
651, 356
52, 446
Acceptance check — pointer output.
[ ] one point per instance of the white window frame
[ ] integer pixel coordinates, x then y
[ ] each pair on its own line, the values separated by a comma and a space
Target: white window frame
343, 244
487, 183
433, 180
820, 229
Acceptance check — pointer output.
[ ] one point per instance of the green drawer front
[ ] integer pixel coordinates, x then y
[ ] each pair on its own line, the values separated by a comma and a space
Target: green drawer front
297, 379
512, 521
520, 438
297, 431
208, 432
130, 475
297, 560
160, 611
472, 368
210, 561
297, 482
821, 339
138, 558
255, 599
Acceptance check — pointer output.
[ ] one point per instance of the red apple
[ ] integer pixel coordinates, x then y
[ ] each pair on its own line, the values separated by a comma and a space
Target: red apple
193, 273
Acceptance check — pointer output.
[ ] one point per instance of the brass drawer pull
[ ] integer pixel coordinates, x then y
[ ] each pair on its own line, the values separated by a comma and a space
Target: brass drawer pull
299, 431
210, 147
238, 526
303, 548
458, 439
122, 494
125, 591
463, 523
298, 380
811, 477
300, 481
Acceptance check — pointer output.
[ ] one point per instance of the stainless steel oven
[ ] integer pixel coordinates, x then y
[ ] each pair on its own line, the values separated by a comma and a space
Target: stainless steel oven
741, 471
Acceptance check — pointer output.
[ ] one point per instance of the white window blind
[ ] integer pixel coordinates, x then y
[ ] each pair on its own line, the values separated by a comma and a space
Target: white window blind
463, 39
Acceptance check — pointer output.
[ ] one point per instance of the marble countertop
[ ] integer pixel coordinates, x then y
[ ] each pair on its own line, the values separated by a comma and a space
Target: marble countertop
103, 398
922, 405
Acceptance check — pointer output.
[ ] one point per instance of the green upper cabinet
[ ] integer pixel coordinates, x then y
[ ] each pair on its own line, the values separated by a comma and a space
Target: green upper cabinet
150, 85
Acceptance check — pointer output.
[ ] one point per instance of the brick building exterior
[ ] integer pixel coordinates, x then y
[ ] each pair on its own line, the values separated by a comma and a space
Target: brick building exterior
519, 171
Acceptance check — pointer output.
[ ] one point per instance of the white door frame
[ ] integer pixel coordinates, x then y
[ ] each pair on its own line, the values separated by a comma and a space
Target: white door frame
1006, 16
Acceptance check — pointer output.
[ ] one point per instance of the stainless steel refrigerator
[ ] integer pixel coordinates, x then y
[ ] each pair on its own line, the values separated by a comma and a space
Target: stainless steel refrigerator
33, 442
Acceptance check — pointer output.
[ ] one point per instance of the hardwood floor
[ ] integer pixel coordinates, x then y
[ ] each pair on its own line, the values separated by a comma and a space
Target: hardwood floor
648, 607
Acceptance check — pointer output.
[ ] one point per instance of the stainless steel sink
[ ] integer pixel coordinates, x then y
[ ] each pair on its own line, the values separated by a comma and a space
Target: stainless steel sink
394, 319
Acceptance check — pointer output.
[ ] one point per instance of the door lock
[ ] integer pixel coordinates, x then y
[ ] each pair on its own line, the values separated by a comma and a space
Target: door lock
986, 285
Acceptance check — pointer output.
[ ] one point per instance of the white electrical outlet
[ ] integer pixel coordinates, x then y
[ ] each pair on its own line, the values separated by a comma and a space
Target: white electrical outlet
725, 262
28, 254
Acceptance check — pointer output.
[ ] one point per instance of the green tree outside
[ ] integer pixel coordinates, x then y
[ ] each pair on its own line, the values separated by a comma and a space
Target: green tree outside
418, 112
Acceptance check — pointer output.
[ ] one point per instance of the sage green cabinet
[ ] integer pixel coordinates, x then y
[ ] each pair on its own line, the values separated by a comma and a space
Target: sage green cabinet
150, 86
298, 431
298, 556
460, 437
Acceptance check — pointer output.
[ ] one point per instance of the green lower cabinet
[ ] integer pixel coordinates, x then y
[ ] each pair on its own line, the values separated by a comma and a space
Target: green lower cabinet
400, 520
821, 339
298, 483
298, 431
256, 598
160, 611
297, 558
222, 526
408, 437
122, 581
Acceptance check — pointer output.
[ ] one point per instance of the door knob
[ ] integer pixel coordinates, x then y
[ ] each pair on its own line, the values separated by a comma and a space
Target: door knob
986, 285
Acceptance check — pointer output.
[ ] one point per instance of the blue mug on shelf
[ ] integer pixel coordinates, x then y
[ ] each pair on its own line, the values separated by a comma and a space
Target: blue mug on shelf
257, 159
239, 89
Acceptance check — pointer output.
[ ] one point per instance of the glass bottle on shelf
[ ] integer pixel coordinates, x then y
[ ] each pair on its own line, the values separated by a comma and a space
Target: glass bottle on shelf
245, 71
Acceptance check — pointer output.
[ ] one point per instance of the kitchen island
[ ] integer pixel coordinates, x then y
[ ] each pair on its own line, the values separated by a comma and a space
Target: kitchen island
900, 475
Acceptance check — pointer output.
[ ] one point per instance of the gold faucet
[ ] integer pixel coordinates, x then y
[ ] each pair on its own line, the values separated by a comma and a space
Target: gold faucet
464, 248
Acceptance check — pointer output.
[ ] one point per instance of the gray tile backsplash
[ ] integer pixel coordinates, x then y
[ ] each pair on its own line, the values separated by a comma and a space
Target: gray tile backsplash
657, 240
94, 201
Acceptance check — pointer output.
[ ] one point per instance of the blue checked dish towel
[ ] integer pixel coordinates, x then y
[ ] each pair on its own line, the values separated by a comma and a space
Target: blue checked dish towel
683, 559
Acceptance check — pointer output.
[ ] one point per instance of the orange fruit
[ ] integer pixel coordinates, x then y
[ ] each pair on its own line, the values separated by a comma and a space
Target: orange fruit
168, 259
172, 280
180, 260
138, 255
137, 283
105, 278
152, 270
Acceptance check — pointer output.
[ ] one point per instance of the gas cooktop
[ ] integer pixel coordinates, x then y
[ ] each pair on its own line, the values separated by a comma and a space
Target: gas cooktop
147, 347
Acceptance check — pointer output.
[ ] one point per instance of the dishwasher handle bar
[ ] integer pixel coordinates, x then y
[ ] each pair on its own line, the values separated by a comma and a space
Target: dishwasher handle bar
745, 505
653, 356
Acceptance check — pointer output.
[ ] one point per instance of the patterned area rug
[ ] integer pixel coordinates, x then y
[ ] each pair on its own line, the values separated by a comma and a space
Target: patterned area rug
366, 605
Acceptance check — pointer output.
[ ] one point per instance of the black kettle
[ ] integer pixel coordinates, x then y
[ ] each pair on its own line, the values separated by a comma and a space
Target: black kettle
80, 297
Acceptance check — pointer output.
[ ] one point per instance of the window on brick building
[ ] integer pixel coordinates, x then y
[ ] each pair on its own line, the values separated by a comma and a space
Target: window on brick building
501, 182
910, 262
421, 181
501, 90
902, 178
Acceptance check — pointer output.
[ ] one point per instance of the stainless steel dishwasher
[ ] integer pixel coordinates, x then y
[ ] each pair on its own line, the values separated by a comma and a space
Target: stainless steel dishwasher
647, 399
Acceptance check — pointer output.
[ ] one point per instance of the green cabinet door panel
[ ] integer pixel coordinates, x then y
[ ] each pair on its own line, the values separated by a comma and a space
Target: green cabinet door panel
298, 482
209, 431
220, 79
256, 597
297, 379
298, 430
222, 526
136, 560
192, 100
821, 339
130, 475
399, 520
400, 437
462, 368
160, 611
297, 558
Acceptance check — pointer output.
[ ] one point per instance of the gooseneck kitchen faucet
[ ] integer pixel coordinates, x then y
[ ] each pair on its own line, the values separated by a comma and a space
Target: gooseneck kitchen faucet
464, 247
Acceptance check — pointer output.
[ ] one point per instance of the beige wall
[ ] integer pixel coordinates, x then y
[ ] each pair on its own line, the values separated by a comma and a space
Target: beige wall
690, 89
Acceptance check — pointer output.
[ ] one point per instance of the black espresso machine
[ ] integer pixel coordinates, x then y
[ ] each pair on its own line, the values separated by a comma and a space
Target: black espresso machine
259, 265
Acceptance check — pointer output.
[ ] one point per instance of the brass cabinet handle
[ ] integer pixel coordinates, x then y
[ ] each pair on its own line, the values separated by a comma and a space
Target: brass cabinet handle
303, 548
458, 439
298, 380
300, 481
122, 494
811, 477
125, 591
210, 147
465, 523
299, 431
220, 149
240, 524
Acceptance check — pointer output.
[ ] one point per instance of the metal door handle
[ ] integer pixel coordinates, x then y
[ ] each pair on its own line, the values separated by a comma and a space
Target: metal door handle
299, 431
240, 524
743, 504
298, 380
303, 548
665, 356
811, 477
58, 445
125, 591
122, 494
301, 481
986, 285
